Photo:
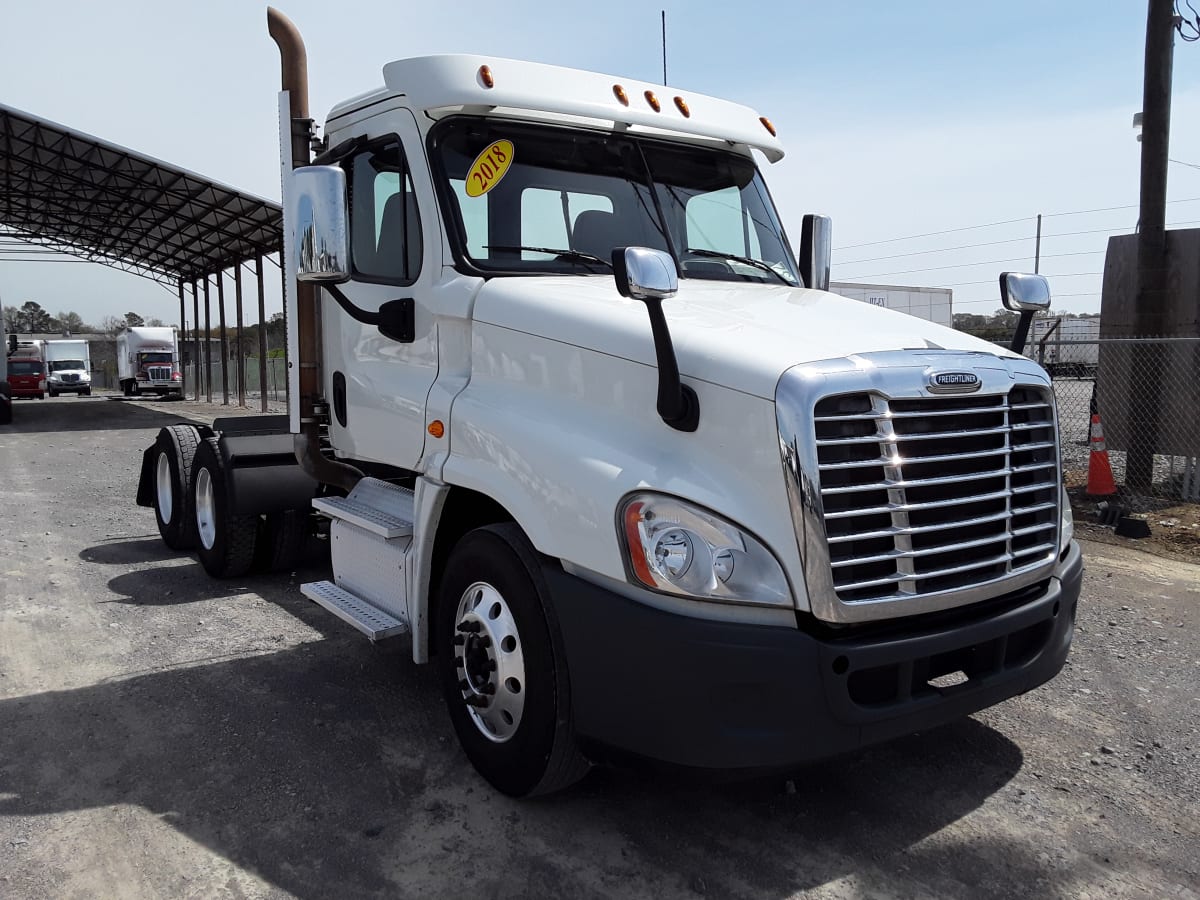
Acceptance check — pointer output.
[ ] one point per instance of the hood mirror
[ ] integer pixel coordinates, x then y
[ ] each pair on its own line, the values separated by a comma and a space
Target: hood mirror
1020, 292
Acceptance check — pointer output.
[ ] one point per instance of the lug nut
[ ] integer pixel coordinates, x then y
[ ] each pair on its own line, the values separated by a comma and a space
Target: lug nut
491, 665
488, 688
476, 701
459, 640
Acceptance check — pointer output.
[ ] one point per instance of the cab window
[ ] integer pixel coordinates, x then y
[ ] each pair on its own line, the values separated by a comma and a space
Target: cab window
385, 228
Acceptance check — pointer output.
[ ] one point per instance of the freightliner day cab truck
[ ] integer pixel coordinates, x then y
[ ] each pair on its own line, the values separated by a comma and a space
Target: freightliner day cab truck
148, 361
587, 433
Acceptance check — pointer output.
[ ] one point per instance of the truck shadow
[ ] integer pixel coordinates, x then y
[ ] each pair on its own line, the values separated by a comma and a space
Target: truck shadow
324, 771
68, 414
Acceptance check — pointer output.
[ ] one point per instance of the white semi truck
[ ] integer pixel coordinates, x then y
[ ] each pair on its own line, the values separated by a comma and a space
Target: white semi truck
148, 361
637, 484
68, 367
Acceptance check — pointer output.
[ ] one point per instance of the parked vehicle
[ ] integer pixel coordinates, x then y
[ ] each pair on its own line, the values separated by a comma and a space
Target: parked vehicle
148, 361
5, 387
639, 484
1066, 346
27, 370
68, 367
931, 304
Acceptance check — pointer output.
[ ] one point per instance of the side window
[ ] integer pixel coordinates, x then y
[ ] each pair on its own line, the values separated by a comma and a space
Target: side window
385, 229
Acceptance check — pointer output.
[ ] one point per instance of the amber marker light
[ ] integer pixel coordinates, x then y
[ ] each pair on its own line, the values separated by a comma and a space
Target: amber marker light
485, 75
436, 428
653, 101
619, 93
682, 106
637, 555
767, 125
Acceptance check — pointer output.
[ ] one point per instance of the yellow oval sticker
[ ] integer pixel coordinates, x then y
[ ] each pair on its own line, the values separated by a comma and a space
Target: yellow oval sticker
489, 167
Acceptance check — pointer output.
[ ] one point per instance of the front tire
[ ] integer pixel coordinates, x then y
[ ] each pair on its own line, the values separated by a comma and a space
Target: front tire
176, 448
282, 540
225, 541
504, 676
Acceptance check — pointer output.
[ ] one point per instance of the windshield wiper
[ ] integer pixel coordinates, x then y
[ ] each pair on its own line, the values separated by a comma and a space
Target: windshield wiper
757, 263
571, 255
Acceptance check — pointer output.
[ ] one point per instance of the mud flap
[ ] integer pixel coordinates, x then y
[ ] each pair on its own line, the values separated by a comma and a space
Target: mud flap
145, 491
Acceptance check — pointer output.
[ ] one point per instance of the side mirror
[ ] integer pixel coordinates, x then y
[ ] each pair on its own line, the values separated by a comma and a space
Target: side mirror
317, 195
816, 251
1026, 294
644, 274
1021, 292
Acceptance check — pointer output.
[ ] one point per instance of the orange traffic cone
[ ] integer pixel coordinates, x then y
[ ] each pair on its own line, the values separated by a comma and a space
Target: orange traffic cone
1100, 477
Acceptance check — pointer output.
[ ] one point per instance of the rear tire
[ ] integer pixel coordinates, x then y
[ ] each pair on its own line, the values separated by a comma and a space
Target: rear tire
86, 392
176, 449
504, 676
225, 541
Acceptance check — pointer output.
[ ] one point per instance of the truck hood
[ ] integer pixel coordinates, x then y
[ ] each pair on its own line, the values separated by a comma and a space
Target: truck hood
738, 336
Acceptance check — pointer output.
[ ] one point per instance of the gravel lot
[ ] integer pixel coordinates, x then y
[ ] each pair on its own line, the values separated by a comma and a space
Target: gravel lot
163, 734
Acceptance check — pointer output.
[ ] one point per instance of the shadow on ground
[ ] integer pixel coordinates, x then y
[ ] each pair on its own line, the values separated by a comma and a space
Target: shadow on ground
87, 414
327, 772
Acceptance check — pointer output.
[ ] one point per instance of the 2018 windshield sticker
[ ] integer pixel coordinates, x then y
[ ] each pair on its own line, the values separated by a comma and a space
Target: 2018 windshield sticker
489, 167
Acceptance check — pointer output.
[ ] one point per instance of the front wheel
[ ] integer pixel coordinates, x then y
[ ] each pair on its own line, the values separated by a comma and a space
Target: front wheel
503, 673
225, 541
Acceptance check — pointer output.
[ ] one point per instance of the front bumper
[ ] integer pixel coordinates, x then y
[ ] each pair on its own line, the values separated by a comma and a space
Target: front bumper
72, 387
717, 695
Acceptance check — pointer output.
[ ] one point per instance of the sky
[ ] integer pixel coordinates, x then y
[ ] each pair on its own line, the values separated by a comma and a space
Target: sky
917, 126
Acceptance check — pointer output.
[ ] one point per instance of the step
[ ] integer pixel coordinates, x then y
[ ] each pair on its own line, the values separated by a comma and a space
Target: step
371, 621
369, 518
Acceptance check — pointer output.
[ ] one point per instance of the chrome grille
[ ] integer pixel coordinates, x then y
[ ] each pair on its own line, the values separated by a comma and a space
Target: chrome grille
934, 494
159, 373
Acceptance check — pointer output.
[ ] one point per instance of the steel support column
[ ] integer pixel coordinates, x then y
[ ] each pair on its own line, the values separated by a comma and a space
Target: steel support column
224, 337
178, 343
196, 336
241, 349
262, 332
207, 344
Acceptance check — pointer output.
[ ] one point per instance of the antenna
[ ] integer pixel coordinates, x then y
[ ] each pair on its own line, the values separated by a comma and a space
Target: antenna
664, 46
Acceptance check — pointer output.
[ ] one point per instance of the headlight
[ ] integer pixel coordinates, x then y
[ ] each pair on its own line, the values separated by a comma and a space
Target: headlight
1068, 519
678, 548
54, 378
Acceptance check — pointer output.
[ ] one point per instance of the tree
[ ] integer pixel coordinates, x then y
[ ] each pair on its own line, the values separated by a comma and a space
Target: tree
12, 319
110, 325
72, 322
34, 319
133, 320
155, 323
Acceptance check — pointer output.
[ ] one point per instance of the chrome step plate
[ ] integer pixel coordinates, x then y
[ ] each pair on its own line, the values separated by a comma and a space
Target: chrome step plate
370, 620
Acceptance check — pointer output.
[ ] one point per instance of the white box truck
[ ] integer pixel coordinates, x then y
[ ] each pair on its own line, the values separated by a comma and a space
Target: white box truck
5, 388
639, 485
68, 367
148, 361
931, 304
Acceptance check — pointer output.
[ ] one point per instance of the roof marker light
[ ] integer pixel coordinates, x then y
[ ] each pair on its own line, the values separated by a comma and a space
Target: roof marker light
653, 101
767, 125
683, 107
485, 75
619, 93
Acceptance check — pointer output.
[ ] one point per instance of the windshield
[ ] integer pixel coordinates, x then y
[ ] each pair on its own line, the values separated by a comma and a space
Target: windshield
24, 367
147, 358
537, 198
61, 365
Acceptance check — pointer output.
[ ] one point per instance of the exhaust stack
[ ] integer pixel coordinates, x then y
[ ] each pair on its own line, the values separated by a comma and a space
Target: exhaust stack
293, 59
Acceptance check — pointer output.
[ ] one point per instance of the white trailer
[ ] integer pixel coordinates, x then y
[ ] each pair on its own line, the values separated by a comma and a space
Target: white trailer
5, 389
69, 367
148, 361
930, 304
639, 484
1066, 346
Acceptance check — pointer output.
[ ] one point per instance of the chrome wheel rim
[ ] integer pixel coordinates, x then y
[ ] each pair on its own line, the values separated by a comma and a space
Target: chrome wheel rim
490, 661
206, 512
166, 492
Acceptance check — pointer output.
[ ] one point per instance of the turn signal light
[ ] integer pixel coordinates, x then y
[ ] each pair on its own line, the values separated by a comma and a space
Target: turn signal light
653, 101
683, 107
485, 75
767, 125
619, 93
436, 428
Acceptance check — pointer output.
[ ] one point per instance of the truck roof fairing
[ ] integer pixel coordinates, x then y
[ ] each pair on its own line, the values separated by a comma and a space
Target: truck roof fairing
456, 81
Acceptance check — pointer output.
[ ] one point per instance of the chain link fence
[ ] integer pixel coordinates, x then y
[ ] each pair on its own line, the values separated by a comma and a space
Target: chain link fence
276, 382
1147, 387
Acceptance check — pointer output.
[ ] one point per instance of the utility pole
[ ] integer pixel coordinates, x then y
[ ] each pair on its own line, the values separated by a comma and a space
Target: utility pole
1148, 358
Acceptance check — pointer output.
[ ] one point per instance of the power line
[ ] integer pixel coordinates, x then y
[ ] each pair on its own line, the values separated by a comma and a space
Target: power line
1078, 212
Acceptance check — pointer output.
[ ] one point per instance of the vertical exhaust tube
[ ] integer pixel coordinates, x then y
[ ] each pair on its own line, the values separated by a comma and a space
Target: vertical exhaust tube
293, 60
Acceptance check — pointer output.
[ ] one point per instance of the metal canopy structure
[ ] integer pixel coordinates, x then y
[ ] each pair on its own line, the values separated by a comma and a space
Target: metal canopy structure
73, 193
